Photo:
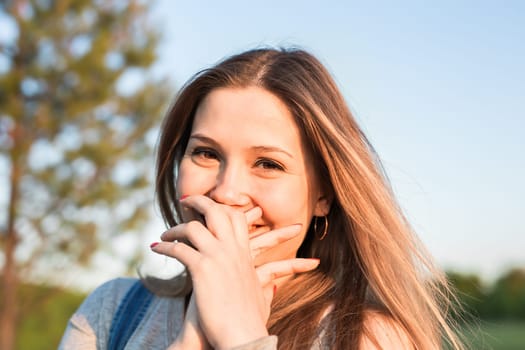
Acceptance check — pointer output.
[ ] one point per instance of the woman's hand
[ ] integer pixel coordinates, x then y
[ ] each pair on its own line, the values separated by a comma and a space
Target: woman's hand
232, 296
191, 335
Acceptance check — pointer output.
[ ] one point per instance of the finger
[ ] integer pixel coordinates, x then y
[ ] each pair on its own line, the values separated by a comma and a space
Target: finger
253, 214
240, 227
192, 232
277, 269
187, 255
193, 209
189, 214
215, 215
273, 238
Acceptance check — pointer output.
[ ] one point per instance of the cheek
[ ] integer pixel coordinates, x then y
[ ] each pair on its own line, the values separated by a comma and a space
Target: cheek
285, 203
192, 179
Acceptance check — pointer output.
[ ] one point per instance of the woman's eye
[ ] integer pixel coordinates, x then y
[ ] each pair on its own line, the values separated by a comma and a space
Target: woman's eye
268, 164
204, 153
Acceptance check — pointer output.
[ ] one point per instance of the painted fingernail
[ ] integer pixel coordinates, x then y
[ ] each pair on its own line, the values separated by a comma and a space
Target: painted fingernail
183, 197
153, 245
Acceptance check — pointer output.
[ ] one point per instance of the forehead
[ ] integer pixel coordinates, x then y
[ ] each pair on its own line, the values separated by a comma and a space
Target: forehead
250, 113
254, 102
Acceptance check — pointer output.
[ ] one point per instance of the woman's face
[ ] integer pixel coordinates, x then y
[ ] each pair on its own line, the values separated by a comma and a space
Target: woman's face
245, 150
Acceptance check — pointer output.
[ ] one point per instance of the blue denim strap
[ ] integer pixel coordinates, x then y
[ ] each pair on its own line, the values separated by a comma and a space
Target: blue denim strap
130, 312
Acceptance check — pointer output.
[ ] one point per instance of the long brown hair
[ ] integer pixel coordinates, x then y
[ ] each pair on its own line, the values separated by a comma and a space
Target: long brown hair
370, 258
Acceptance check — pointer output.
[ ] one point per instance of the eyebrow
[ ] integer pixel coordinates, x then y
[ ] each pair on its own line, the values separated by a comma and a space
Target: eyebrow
211, 141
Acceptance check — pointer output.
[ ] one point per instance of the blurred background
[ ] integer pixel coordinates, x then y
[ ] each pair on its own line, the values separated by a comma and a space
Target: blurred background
438, 87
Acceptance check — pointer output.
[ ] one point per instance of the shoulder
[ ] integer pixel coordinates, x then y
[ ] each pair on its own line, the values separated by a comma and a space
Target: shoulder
383, 332
109, 293
89, 325
100, 305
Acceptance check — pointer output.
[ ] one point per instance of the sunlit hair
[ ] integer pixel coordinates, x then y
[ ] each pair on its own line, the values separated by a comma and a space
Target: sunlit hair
370, 259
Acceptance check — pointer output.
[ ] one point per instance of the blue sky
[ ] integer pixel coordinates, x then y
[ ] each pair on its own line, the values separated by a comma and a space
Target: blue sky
439, 88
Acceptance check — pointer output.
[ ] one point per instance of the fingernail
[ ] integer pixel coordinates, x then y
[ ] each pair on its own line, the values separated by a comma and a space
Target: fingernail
183, 197
153, 245
318, 261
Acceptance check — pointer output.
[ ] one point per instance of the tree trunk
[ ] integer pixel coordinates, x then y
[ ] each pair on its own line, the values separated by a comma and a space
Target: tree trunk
8, 317
9, 283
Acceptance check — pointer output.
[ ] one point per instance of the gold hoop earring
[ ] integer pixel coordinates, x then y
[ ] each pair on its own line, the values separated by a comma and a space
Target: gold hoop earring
325, 229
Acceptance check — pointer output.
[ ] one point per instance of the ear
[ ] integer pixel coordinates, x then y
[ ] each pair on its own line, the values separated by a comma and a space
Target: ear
322, 206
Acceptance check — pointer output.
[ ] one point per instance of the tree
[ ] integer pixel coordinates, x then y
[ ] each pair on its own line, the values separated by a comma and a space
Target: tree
78, 111
470, 292
506, 300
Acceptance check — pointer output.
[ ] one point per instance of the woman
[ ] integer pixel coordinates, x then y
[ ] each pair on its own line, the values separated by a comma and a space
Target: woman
279, 209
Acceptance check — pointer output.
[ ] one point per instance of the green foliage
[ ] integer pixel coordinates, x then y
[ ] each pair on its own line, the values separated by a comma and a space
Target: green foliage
46, 310
503, 335
78, 106
470, 292
504, 300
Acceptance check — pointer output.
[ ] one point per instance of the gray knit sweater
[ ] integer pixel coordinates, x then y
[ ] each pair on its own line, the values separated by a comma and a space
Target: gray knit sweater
89, 326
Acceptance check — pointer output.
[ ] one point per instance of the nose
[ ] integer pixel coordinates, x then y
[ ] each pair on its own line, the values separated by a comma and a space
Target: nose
231, 186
